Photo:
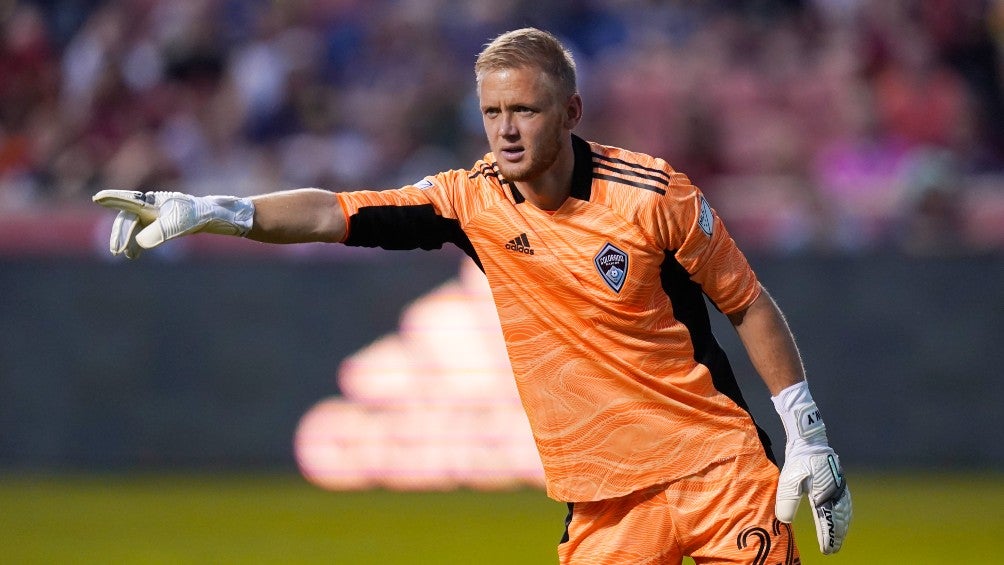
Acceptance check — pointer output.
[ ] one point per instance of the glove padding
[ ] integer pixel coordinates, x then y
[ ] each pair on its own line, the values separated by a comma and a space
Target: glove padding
820, 477
811, 468
145, 220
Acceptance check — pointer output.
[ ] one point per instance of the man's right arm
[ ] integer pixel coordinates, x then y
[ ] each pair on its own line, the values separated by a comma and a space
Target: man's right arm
298, 216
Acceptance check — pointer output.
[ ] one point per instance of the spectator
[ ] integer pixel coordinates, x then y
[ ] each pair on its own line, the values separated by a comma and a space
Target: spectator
824, 99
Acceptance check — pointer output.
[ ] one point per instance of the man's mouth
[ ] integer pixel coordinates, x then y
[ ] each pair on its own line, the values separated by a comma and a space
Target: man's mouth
512, 153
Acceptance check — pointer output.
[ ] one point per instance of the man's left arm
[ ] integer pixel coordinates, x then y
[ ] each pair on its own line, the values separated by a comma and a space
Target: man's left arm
810, 465
769, 343
687, 224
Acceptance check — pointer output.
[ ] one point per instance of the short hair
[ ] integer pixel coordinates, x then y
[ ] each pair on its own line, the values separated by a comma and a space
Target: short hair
529, 47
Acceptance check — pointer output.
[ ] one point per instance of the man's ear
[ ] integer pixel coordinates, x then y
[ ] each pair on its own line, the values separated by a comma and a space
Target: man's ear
573, 111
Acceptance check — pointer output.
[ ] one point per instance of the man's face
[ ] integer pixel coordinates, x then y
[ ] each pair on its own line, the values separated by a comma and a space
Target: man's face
524, 120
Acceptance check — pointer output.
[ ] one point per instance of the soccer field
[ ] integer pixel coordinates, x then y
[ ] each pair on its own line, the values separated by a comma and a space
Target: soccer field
909, 519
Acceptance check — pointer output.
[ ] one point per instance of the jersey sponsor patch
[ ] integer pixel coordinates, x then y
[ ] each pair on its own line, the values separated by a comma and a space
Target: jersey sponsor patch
423, 184
612, 263
707, 219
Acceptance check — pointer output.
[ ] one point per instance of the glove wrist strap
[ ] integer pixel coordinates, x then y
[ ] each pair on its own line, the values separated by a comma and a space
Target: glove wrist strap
799, 415
227, 215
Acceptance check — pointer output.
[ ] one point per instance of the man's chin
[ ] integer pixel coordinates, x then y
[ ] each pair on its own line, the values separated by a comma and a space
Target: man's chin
516, 173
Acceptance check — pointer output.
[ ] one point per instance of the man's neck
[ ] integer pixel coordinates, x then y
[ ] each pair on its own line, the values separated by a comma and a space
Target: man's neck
551, 189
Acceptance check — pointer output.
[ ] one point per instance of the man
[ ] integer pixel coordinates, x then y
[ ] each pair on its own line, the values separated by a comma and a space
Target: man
598, 259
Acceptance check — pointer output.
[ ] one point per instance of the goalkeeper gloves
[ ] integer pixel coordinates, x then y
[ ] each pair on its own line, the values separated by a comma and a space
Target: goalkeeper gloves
147, 219
811, 468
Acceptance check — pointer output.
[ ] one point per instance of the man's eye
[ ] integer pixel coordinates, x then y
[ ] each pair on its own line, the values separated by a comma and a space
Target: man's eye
491, 113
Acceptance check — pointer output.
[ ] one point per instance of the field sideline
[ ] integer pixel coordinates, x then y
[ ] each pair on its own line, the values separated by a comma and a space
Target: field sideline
911, 519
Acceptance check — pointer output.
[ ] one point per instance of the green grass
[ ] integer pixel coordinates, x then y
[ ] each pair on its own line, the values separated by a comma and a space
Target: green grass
909, 519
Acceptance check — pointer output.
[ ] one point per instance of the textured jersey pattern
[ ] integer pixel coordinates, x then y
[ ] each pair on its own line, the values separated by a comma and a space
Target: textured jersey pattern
606, 372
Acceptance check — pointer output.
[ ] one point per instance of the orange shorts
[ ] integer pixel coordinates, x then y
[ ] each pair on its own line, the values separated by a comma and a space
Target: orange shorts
724, 514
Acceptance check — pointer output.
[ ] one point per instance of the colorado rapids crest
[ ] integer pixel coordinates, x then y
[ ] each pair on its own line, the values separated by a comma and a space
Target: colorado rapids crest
612, 263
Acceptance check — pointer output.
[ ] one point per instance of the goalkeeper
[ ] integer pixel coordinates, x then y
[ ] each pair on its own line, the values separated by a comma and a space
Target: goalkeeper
599, 260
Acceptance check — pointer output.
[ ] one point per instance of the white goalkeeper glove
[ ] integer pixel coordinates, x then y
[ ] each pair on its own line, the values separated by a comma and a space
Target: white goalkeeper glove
811, 468
147, 219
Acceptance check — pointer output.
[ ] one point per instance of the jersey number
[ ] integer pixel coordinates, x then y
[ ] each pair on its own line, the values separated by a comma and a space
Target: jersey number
761, 540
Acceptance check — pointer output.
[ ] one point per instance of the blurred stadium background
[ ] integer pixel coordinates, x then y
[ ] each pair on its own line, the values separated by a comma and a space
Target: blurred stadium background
224, 401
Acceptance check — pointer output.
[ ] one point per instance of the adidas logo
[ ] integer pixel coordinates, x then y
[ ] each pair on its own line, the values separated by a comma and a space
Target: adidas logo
520, 244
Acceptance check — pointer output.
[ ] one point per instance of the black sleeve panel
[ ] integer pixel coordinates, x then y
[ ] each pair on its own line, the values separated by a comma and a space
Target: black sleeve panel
689, 308
406, 227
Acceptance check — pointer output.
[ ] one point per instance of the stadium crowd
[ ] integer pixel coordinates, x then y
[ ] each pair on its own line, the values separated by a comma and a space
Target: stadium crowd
813, 125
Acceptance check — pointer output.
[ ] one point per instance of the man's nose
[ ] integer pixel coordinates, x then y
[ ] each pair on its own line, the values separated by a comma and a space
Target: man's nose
507, 128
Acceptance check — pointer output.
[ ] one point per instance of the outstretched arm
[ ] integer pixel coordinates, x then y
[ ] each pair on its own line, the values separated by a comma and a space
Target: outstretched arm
148, 219
298, 216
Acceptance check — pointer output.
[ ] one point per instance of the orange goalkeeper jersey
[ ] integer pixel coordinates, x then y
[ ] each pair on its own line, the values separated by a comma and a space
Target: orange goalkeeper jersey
602, 309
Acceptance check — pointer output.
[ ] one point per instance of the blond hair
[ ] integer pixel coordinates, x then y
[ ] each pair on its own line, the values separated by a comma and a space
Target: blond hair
529, 47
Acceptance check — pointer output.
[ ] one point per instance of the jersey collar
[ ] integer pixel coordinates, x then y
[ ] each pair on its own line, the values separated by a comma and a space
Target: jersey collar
582, 174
